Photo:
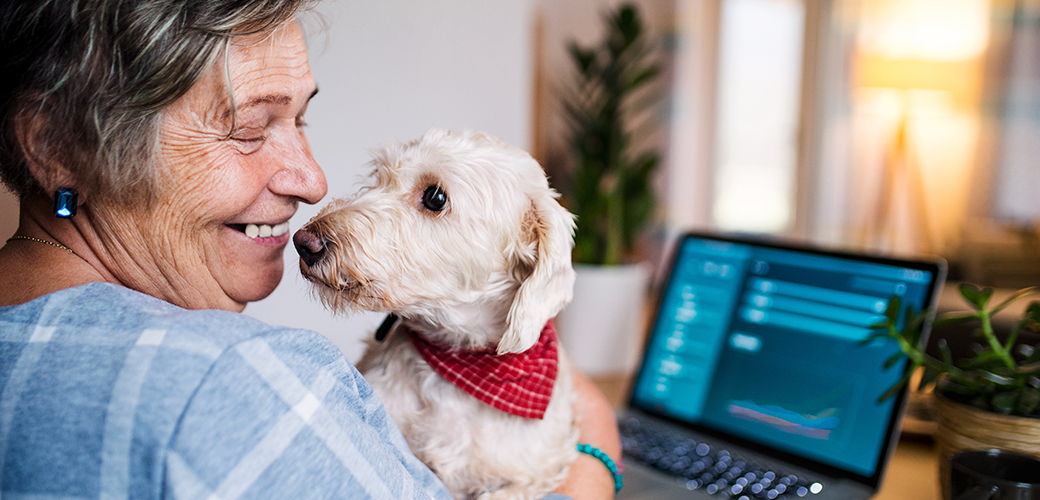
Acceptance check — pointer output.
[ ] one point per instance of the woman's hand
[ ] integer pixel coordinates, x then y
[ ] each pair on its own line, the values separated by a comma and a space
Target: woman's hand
588, 478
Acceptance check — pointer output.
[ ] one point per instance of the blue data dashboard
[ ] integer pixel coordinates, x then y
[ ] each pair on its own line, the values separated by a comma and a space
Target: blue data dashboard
766, 344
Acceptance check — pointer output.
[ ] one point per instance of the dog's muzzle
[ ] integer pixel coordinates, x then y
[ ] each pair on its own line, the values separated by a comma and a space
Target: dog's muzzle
310, 246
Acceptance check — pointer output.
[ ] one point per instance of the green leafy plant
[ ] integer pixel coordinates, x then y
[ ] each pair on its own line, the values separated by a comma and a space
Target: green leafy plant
610, 188
1001, 376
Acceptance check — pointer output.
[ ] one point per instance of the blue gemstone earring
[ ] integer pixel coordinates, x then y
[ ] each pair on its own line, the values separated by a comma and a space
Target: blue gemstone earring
66, 202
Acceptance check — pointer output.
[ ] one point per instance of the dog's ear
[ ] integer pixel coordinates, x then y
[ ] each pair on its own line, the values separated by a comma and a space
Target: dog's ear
549, 284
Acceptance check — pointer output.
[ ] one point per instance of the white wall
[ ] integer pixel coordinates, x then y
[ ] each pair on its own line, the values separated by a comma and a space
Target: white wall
390, 69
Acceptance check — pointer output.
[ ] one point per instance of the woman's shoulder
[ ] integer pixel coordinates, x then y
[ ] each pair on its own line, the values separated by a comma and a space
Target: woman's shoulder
120, 327
112, 315
101, 337
101, 369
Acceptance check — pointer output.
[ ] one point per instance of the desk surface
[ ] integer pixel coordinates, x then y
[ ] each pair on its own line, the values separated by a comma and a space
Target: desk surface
913, 473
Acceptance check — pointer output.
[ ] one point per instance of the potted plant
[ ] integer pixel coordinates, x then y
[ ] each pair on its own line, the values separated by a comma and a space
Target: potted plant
990, 399
609, 188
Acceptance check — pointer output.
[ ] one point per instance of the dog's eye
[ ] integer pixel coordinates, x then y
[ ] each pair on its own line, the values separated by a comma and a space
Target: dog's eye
434, 198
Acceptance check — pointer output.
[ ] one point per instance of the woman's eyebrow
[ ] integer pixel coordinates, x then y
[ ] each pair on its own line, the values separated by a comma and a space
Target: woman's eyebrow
278, 99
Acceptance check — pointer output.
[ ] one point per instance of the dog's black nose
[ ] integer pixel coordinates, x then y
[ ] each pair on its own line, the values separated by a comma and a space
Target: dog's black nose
309, 245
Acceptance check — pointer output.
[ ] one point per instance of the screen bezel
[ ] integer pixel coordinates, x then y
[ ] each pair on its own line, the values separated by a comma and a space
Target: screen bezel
938, 269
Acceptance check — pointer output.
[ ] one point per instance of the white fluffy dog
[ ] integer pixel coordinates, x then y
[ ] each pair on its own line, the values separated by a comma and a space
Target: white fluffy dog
461, 237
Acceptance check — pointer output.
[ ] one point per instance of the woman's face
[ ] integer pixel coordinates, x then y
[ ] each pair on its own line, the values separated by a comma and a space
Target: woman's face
216, 237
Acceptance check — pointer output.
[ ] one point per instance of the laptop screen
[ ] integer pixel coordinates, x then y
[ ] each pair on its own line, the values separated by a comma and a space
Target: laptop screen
762, 342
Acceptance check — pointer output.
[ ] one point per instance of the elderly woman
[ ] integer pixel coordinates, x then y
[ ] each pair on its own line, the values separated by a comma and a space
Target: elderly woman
157, 150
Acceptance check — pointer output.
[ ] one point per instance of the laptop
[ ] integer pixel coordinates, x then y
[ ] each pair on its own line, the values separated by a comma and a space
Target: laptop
754, 382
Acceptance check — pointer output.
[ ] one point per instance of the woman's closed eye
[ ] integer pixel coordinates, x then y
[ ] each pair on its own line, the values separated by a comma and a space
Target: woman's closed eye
249, 139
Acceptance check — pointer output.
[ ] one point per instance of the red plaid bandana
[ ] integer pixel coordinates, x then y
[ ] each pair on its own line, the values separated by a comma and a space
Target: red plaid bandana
516, 383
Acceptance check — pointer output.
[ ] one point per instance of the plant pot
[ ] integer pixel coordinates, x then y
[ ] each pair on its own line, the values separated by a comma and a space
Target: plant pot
602, 328
961, 427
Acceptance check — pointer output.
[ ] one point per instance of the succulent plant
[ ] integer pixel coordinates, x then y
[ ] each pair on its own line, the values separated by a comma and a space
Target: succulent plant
1002, 376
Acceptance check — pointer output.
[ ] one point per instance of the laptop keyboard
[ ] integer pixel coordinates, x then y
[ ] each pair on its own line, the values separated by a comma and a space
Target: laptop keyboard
716, 471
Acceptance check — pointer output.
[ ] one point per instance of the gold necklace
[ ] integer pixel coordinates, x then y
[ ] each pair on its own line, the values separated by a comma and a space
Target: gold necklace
51, 243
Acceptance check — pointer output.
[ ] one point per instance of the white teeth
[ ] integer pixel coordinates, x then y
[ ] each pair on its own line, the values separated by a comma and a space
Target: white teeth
265, 231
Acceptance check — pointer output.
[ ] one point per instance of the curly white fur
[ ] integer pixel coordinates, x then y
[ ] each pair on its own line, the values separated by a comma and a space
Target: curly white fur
488, 270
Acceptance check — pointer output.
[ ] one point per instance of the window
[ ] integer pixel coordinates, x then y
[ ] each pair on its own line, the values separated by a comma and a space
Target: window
756, 130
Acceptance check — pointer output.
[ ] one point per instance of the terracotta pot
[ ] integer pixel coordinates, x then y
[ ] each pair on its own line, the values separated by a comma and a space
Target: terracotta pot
961, 427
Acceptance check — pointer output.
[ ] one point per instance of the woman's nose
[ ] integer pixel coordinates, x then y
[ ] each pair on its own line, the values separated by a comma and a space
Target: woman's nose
300, 177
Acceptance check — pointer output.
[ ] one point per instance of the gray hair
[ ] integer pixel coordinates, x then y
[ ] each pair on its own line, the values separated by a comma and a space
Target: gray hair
83, 82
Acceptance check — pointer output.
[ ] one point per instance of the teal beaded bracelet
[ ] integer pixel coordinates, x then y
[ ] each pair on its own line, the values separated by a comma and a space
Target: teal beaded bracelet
588, 449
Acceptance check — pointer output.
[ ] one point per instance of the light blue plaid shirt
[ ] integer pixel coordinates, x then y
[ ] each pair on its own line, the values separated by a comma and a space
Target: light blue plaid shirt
111, 394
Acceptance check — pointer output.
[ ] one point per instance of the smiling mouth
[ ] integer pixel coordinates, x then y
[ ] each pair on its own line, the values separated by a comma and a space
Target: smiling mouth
261, 230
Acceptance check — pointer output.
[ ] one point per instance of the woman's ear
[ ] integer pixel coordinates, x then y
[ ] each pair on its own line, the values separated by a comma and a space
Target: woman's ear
550, 284
48, 170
